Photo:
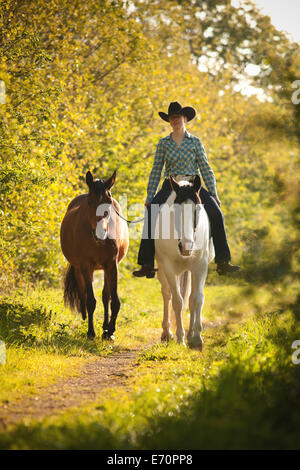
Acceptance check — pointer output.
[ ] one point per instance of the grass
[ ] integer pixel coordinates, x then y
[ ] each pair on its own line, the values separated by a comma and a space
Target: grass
44, 341
241, 392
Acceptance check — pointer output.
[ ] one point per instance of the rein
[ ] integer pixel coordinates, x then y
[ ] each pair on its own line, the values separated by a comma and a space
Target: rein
128, 221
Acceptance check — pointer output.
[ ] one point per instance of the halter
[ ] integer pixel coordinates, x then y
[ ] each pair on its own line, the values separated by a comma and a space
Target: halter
195, 224
93, 232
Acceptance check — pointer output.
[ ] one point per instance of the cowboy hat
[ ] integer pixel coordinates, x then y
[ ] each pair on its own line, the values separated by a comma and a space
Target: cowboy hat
176, 108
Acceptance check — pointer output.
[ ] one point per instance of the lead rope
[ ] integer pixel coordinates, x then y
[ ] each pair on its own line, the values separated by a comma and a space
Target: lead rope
143, 218
128, 221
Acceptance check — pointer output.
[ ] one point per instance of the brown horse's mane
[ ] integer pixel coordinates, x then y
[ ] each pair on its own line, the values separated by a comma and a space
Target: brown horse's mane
98, 186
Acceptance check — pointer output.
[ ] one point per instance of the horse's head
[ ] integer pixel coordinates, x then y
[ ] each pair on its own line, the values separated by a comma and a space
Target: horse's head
188, 203
99, 204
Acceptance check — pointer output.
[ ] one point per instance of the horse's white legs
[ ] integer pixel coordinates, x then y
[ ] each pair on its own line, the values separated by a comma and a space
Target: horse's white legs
194, 334
192, 319
166, 294
196, 302
177, 303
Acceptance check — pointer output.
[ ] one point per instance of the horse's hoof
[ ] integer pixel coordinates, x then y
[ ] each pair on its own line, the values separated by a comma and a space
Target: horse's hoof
181, 342
166, 337
91, 335
107, 336
197, 347
196, 343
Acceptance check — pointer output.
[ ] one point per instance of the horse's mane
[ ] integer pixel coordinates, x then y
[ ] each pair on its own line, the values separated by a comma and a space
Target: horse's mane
186, 192
98, 186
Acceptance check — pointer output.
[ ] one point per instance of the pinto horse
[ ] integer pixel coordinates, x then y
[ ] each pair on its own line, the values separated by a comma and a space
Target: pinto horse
183, 257
93, 237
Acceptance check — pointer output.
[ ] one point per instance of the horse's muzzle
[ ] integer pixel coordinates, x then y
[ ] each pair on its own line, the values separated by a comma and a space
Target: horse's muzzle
185, 250
100, 237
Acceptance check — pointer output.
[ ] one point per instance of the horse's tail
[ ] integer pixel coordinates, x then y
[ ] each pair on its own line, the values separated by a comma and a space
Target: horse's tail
71, 290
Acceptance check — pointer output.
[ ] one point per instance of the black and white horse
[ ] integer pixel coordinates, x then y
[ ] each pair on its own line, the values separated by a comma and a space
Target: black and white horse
185, 251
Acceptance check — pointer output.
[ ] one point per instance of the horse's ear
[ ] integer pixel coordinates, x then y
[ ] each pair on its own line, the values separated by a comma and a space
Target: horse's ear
89, 179
197, 183
110, 182
174, 185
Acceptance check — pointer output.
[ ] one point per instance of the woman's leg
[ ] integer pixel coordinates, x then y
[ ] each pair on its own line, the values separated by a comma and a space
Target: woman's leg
146, 250
216, 219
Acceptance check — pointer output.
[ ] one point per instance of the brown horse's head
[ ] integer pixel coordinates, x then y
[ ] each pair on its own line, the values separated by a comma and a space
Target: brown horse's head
99, 203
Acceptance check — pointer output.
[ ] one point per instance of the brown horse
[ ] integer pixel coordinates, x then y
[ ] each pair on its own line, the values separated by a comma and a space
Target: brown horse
93, 236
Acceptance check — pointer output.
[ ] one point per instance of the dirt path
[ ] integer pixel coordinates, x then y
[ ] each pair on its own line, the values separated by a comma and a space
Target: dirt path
92, 378
111, 371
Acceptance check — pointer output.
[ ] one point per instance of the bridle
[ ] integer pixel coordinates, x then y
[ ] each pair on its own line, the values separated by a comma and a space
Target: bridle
195, 224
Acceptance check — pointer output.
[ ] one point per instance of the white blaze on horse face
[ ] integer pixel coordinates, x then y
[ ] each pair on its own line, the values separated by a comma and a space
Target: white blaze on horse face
187, 228
163, 227
103, 214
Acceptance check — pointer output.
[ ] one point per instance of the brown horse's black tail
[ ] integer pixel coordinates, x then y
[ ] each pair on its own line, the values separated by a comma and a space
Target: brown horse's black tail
71, 292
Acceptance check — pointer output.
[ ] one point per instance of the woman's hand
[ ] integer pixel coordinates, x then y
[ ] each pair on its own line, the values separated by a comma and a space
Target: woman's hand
147, 204
217, 200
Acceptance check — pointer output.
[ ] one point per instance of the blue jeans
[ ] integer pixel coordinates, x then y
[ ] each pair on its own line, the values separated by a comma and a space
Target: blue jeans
216, 219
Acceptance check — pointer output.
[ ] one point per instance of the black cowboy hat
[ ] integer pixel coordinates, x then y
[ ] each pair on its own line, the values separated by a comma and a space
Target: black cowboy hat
176, 108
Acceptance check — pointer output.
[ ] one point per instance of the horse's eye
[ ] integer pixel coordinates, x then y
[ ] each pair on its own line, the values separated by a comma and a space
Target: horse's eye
105, 214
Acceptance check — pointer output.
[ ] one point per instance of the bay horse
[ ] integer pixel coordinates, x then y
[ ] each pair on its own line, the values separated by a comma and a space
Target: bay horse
183, 259
93, 237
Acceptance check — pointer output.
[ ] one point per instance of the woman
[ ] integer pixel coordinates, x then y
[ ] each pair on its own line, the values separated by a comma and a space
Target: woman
183, 156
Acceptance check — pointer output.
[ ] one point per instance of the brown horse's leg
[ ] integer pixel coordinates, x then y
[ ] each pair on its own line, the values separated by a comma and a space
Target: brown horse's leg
81, 291
105, 300
90, 301
112, 275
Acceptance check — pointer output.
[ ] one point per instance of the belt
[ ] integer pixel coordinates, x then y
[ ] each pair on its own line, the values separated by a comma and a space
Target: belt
183, 177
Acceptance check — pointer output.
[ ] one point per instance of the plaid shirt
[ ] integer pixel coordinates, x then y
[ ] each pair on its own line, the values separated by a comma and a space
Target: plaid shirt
184, 159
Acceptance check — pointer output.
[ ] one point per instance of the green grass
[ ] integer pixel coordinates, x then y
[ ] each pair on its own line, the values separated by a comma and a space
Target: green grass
44, 341
241, 392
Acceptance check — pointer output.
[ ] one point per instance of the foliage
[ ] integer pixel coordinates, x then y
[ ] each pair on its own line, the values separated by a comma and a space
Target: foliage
84, 82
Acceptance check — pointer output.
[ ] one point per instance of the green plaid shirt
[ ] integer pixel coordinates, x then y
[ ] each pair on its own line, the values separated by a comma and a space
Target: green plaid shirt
184, 159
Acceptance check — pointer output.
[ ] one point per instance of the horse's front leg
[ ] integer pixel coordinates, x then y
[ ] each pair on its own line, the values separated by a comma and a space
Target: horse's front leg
196, 302
167, 334
90, 301
112, 278
105, 300
192, 319
177, 303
